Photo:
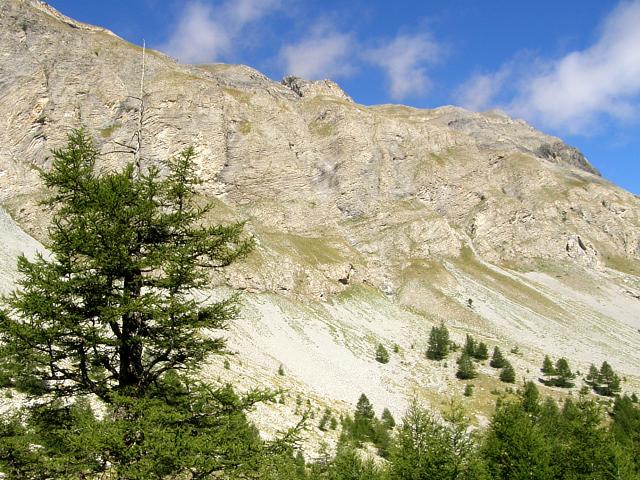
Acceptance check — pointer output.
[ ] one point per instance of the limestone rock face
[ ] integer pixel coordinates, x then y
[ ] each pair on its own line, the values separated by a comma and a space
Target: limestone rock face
312, 88
426, 208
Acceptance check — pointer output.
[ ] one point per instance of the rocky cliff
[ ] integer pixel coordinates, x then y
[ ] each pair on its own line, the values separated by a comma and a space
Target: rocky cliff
372, 222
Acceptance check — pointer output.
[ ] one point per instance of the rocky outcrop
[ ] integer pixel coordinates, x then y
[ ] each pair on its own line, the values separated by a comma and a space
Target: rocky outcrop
312, 88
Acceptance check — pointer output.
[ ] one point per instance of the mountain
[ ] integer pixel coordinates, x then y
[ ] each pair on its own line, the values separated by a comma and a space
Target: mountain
373, 223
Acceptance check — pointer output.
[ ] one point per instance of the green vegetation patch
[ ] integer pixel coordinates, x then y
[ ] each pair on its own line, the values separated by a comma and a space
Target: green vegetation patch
322, 129
239, 95
244, 127
311, 250
518, 291
622, 264
108, 131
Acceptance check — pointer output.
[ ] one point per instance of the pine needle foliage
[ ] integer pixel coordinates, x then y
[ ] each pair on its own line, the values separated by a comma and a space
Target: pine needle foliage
116, 313
112, 309
438, 343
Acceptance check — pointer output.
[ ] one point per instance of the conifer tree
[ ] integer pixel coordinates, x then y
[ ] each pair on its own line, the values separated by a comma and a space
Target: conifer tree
111, 313
593, 376
364, 409
382, 355
497, 359
547, 367
470, 346
427, 449
608, 380
564, 375
481, 353
387, 419
438, 343
514, 447
466, 369
530, 398
508, 374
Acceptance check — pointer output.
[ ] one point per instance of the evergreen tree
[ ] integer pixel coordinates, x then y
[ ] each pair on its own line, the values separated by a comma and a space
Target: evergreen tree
481, 352
547, 367
387, 419
382, 355
438, 343
530, 398
593, 377
466, 369
626, 427
608, 381
347, 465
515, 448
584, 448
362, 427
508, 374
470, 346
564, 375
497, 359
426, 449
111, 313
364, 409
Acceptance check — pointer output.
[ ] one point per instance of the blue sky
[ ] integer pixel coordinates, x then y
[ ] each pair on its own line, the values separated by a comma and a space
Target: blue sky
570, 68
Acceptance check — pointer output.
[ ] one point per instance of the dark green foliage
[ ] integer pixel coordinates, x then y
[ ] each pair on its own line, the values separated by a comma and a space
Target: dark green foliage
481, 352
426, 449
347, 465
281, 370
365, 427
583, 447
396, 348
530, 398
438, 343
325, 419
626, 427
508, 374
514, 447
333, 423
564, 373
382, 355
468, 390
466, 369
607, 381
593, 376
561, 373
532, 440
497, 359
547, 367
469, 346
387, 419
111, 311
364, 409
149, 437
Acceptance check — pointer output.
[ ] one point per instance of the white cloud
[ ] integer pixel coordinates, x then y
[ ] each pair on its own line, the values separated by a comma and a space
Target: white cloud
604, 78
481, 90
205, 33
326, 53
571, 93
404, 61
